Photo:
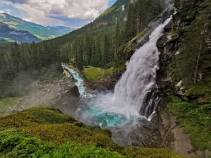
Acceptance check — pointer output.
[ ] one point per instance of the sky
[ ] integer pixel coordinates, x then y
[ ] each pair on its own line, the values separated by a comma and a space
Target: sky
72, 13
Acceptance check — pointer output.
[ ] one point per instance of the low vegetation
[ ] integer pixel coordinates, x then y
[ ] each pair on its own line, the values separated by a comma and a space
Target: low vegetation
16, 144
96, 73
46, 132
201, 92
196, 120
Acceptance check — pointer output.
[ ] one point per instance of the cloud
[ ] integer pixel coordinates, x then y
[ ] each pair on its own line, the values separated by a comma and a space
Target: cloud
18, 1
48, 11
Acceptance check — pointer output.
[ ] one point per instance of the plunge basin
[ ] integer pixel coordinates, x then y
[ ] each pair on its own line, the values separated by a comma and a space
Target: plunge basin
98, 117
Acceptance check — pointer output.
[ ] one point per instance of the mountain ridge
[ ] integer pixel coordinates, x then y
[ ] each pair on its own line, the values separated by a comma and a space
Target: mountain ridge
41, 32
12, 35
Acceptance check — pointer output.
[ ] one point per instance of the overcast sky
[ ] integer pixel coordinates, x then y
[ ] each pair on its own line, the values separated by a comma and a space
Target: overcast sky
73, 13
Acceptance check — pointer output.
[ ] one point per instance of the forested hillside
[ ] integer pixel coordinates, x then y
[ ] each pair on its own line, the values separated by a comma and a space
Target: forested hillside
95, 44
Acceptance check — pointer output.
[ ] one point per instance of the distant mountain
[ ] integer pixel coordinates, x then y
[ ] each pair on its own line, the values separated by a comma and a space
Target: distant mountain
41, 32
12, 35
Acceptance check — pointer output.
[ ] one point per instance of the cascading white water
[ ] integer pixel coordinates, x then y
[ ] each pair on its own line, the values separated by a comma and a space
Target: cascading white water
79, 82
122, 106
140, 76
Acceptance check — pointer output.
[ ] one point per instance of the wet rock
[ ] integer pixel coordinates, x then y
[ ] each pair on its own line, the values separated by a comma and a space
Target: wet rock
105, 84
143, 40
68, 97
73, 92
141, 133
150, 103
162, 42
168, 27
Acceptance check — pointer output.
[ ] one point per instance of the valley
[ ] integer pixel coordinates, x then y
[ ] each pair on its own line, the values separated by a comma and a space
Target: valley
133, 83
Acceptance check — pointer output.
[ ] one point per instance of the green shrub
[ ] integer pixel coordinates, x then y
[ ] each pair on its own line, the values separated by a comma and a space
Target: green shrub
14, 144
82, 151
17, 145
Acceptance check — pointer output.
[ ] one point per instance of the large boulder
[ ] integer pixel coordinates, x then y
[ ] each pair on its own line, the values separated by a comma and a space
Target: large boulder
73, 91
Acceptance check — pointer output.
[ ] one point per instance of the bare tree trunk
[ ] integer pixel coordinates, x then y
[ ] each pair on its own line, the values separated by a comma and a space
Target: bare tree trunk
197, 65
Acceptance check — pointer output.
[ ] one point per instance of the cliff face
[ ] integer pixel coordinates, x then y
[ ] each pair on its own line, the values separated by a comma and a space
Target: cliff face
186, 49
185, 78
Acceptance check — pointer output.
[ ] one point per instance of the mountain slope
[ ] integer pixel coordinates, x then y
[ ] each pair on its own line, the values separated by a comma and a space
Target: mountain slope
105, 21
39, 31
97, 43
12, 35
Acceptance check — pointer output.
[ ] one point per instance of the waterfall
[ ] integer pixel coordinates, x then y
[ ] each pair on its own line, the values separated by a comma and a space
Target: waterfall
79, 82
139, 80
133, 94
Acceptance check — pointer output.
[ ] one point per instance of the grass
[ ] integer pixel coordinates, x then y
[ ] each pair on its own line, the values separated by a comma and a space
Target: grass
45, 122
196, 120
90, 151
47, 133
73, 133
34, 117
96, 73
